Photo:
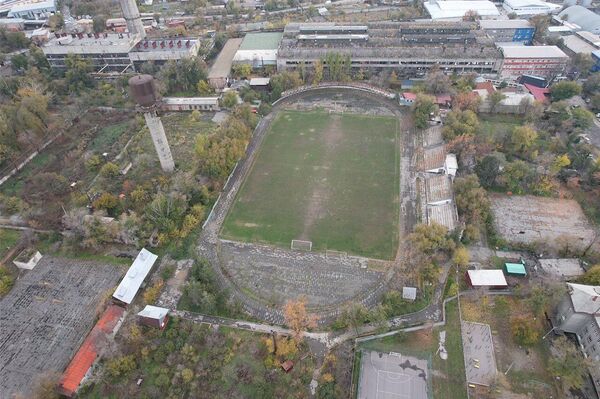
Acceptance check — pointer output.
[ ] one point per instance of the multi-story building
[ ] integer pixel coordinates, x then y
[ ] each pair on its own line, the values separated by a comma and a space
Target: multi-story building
410, 49
579, 313
545, 61
508, 30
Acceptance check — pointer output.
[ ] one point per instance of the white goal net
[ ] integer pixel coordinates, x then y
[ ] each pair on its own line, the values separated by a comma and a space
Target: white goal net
331, 254
301, 245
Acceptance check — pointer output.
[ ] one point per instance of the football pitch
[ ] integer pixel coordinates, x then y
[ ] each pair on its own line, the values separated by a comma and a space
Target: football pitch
323, 177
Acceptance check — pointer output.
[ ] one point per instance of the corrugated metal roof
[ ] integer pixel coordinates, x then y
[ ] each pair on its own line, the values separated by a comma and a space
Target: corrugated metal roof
487, 278
585, 298
504, 24
153, 312
515, 268
586, 19
135, 276
89, 350
533, 52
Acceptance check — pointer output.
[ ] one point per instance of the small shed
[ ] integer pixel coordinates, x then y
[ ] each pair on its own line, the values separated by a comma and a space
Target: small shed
287, 366
409, 293
27, 258
154, 316
260, 84
486, 278
515, 269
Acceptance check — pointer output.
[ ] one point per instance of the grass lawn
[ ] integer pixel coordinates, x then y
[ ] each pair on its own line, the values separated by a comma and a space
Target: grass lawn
8, 239
328, 178
448, 376
496, 126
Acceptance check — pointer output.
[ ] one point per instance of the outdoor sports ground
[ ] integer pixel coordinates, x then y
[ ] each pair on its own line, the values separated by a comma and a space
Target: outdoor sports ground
329, 178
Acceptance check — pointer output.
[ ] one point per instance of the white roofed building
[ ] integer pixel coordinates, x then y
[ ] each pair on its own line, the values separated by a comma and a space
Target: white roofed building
32, 9
135, 276
455, 10
524, 8
154, 316
582, 17
487, 278
190, 103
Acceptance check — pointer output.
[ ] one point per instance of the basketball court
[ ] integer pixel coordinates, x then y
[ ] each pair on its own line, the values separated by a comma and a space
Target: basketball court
392, 376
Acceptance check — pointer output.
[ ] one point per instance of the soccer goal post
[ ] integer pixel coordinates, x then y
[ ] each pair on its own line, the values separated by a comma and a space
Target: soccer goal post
331, 254
301, 245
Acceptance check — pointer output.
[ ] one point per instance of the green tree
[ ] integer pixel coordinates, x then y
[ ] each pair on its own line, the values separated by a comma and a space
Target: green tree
423, 107
204, 89
106, 201
229, 99
524, 331
523, 139
591, 276
11, 41
471, 199
591, 85
437, 82
78, 73
203, 300
488, 170
121, 366
429, 239
560, 162
541, 24
460, 123
538, 300
242, 70
283, 81
31, 109
582, 118
564, 90
19, 62
318, 74
495, 99
570, 367
518, 176
109, 170
461, 257
584, 63
99, 23
355, 315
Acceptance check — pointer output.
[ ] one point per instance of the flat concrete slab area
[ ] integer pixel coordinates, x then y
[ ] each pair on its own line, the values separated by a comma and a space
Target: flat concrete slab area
392, 376
478, 347
47, 315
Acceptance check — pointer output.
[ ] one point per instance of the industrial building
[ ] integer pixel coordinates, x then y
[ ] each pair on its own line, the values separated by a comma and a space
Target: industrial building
545, 61
134, 278
528, 8
190, 104
218, 75
582, 42
119, 52
258, 49
28, 9
582, 17
410, 49
508, 30
455, 10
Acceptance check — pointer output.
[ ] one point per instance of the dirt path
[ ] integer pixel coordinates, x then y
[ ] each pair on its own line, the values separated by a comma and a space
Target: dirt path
317, 205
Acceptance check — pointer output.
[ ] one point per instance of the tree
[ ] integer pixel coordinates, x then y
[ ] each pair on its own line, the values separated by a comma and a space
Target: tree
110, 170
204, 88
471, 199
431, 238
584, 63
524, 331
183, 75
564, 90
229, 99
466, 100
242, 70
523, 139
283, 81
488, 170
204, 301
355, 315
297, 317
471, 16
591, 277
461, 257
318, 76
11, 41
121, 366
106, 201
518, 176
560, 162
540, 23
460, 123
78, 72
423, 107
56, 22
538, 299
568, 365
582, 118
437, 82
495, 99
31, 112
19, 62
592, 84
99, 24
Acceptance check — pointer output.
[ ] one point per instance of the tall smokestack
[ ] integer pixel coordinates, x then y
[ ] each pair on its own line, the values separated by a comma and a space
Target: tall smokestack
132, 16
143, 92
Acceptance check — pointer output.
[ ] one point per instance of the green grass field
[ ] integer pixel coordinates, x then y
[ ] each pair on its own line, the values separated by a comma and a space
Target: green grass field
328, 178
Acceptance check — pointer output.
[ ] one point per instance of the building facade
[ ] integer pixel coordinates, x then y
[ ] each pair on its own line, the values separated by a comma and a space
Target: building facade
409, 49
528, 8
509, 31
544, 61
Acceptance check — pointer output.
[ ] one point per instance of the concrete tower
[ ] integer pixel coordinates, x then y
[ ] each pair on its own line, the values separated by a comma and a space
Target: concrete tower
143, 92
132, 16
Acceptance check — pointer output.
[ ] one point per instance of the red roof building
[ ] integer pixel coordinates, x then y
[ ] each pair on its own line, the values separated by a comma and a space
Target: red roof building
487, 86
540, 94
90, 350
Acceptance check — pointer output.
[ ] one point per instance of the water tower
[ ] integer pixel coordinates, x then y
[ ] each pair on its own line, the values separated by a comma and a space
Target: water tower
143, 91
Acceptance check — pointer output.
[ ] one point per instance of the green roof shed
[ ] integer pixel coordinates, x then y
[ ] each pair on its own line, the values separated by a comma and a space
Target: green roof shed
515, 269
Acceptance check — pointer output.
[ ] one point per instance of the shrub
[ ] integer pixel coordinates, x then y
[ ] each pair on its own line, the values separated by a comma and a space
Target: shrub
109, 170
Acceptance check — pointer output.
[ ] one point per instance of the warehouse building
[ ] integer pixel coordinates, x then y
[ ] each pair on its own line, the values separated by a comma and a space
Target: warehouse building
117, 52
586, 19
410, 49
508, 31
529, 8
30, 9
545, 61
258, 49
455, 10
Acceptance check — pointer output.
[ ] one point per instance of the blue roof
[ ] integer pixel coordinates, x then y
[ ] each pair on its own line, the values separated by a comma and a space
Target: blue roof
515, 268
